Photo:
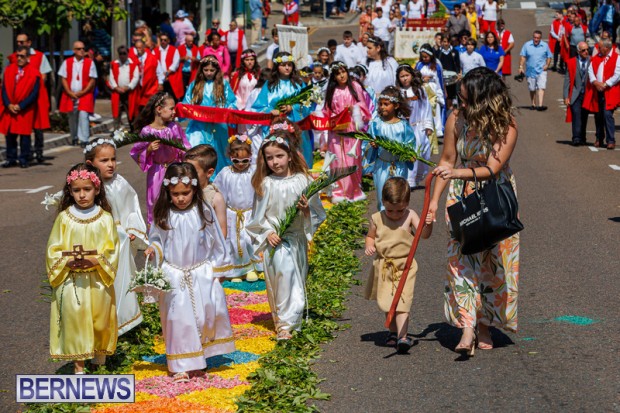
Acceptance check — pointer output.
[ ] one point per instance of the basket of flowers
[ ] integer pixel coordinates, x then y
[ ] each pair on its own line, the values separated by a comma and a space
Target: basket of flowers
151, 282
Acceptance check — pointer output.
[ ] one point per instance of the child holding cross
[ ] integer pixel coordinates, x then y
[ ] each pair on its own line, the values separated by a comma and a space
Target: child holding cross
82, 257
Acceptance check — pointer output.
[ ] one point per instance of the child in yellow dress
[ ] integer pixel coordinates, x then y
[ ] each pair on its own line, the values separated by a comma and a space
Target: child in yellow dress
82, 257
390, 236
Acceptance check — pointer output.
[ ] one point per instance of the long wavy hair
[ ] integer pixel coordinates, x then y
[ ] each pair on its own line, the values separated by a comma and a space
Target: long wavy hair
416, 79
488, 107
297, 163
218, 82
335, 69
275, 73
161, 211
67, 198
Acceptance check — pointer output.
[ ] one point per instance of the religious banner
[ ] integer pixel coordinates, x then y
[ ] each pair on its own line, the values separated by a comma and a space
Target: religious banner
294, 39
407, 42
231, 116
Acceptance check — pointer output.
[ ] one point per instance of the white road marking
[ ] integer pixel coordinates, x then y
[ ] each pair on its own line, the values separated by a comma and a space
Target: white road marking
28, 191
528, 5
615, 167
593, 149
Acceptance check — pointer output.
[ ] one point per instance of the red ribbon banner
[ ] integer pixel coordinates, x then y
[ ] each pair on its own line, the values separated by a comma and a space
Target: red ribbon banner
211, 114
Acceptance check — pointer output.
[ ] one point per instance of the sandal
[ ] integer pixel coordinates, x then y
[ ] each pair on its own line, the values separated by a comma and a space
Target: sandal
181, 377
391, 339
284, 335
403, 345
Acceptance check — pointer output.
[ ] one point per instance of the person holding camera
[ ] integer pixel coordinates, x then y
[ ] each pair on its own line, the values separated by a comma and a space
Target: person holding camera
534, 62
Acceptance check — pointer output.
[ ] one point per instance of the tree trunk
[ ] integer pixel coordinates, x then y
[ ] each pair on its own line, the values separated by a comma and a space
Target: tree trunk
53, 91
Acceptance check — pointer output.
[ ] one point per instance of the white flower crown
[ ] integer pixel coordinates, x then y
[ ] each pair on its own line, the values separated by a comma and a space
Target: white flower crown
98, 142
390, 98
278, 139
185, 180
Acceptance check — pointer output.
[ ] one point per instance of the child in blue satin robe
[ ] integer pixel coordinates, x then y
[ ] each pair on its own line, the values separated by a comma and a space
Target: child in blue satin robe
210, 89
392, 123
285, 82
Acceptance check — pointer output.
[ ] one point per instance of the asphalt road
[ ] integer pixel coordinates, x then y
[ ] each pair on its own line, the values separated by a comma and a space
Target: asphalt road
570, 205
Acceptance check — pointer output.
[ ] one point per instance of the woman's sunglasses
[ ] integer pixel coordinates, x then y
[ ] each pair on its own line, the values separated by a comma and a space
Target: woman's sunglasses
243, 161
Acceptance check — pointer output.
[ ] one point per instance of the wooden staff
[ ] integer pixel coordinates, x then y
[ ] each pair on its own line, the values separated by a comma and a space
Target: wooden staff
414, 247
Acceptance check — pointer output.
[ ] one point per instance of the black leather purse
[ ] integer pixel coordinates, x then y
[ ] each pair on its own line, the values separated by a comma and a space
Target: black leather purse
485, 217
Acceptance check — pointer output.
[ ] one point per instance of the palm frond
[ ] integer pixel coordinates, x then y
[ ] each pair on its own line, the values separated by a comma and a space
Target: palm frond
129, 138
403, 152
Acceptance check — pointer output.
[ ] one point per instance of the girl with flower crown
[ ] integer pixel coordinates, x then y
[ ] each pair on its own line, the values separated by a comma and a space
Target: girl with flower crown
285, 82
393, 124
235, 184
157, 119
82, 257
188, 245
345, 94
245, 77
281, 176
210, 89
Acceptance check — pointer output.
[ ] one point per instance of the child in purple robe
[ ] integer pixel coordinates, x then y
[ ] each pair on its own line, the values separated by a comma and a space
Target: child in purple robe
157, 119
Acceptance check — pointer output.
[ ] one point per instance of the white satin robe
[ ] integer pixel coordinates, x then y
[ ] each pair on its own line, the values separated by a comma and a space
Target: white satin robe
421, 119
200, 327
286, 271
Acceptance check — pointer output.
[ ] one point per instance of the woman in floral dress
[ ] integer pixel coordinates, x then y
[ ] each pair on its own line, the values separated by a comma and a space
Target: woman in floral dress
481, 289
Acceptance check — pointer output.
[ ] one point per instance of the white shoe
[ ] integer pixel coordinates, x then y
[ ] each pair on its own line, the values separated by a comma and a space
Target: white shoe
251, 276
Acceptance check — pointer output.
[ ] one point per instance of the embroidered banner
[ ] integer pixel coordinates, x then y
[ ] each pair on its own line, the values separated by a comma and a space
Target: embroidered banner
232, 116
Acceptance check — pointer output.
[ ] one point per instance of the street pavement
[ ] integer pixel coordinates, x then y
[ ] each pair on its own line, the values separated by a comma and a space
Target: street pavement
564, 358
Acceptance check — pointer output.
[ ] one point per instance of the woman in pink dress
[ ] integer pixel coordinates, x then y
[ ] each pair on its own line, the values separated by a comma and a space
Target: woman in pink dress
216, 48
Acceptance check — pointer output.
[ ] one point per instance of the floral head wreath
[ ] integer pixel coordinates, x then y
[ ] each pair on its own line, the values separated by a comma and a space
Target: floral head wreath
277, 139
427, 51
210, 59
303, 73
403, 66
183, 179
98, 142
390, 98
248, 54
337, 65
285, 126
284, 59
240, 138
84, 174
323, 49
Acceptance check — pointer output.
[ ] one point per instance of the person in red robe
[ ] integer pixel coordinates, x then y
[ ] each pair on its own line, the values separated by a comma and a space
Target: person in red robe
507, 41
151, 74
555, 32
37, 60
78, 75
21, 87
123, 80
236, 42
189, 54
169, 60
602, 95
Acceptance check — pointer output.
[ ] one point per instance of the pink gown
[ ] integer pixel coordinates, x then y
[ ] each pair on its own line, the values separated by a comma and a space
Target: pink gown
349, 188
155, 163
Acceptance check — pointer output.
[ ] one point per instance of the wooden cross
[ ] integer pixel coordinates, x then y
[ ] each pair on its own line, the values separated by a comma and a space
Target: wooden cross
78, 253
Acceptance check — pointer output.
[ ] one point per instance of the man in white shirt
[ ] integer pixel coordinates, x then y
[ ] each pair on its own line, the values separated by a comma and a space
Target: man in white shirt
471, 59
78, 75
381, 24
169, 59
123, 80
348, 53
235, 40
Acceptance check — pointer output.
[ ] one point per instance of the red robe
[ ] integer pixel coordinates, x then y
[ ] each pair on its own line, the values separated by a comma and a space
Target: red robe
507, 67
25, 120
42, 117
564, 51
150, 84
612, 95
132, 95
240, 36
194, 66
571, 66
556, 24
86, 102
175, 78
35, 59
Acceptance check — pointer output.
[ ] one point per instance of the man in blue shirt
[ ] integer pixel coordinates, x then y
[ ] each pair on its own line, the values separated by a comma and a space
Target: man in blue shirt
256, 14
534, 62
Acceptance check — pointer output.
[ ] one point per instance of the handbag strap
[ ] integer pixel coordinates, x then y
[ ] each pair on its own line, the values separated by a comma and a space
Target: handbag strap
493, 177
473, 171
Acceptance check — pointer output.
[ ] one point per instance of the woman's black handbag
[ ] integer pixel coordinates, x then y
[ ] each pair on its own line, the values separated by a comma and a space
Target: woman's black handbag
485, 217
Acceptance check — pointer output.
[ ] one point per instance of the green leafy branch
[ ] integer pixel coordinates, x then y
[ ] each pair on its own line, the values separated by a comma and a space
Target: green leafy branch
403, 152
304, 96
123, 138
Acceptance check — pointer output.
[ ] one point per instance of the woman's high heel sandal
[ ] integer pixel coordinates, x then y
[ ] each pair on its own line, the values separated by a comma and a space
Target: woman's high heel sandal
468, 350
